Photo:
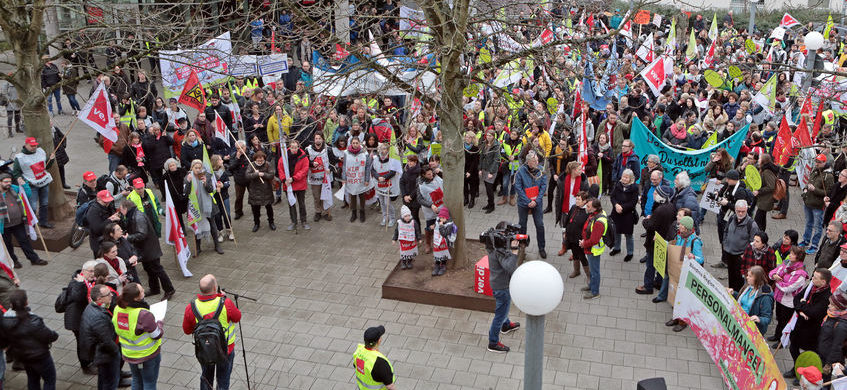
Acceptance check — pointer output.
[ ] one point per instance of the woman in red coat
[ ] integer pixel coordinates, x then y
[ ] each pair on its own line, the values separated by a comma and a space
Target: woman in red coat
298, 168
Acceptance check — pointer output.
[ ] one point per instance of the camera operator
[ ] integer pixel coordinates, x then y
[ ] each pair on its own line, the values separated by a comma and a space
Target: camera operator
502, 263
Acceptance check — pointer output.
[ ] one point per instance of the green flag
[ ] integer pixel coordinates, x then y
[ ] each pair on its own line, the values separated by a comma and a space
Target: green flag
767, 95
670, 43
828, 28
691, 51
713, 31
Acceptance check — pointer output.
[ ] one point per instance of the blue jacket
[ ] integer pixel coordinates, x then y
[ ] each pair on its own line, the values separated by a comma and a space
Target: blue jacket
632, 162
17, 190
687, 198
695, 243
524, 179
762, 306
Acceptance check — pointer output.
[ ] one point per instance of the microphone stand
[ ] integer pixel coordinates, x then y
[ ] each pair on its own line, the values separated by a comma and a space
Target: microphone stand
241, 332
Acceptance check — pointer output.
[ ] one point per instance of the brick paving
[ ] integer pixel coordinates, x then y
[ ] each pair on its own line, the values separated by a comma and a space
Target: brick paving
317, 293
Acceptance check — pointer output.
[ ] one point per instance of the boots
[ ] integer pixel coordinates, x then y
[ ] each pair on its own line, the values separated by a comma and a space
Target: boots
353, 215
503, 200
428, 247
563, 250
362, 215
471, 202
218, 248
513, 200
199, 249
587, 274
435, 268
575, 272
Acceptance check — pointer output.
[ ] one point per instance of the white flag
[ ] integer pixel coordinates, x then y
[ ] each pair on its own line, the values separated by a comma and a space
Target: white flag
31, 218
839, 384
97, 113
220, 129
283, 152
175, 236
645, 52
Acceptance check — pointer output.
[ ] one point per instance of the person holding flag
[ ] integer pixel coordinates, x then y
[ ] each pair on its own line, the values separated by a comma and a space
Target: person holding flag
30, 167
13, 219
295, 176
320, 176
199, 188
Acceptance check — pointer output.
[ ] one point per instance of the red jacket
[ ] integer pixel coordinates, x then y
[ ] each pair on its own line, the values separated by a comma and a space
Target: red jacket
298, 165
591, 235
232, 315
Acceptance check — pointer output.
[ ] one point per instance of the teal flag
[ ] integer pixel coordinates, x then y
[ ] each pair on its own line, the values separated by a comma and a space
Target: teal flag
676, 160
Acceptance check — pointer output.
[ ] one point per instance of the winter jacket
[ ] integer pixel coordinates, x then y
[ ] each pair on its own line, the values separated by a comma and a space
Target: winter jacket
766, 260
762, 306
298, 167
632, 162
259, 193
822, 180
77, 294
502, 263
157, 150
237, 167
489, 160
189, 153
833, 334
142, 235
829, 251
174, 183
526, 179
806, 332
836, 195
738, 234
409, 184
97, 337
144, 93
764, 199
662, 222
576, 218
627, 198
50, 75
793, 279
225, 114
619, 132
28, 338
61, 152
97, 218
592, 233
686, 197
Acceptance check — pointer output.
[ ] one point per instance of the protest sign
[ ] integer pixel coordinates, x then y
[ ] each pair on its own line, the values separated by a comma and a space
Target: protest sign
752, 178
660, 254
750, 46
676, 255
675, 160
210, 60
709, 200
727, 333
242, 65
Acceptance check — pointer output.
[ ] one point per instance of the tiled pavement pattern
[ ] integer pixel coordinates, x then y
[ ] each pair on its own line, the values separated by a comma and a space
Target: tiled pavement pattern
319, 290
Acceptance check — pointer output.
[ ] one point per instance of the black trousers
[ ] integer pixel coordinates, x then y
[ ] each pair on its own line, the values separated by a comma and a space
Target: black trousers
489, 194
109, 374
19, 232
62, 174
471, 186
239, 199
257, 211
551, 192
761, 219
783, 315
156, 274
733, 265
79, 352
301, 205
357, 198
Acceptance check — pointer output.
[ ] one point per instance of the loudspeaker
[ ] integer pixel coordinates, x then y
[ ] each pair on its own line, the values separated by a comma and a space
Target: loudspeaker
652, 384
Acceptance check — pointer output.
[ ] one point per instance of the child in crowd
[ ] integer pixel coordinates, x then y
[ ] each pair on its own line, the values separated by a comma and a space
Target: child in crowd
407, 233
443, 239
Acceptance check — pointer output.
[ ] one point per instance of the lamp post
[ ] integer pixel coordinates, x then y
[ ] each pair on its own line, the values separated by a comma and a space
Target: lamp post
813, 41
536, 288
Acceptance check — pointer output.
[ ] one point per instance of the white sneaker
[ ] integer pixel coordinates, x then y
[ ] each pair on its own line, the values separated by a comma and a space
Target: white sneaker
221, 237
382, 223
390, 222
231, 236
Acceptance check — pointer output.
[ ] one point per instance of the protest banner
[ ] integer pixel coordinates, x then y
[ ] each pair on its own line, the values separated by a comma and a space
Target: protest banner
709, 200
727, 333
243, 65
675, 160
210, 60
660, 254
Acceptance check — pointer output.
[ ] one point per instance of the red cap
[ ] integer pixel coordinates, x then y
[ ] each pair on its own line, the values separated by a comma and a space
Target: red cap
105, 196
821, 157
31, 141
844, 245
138, 182
811, 373
89, 176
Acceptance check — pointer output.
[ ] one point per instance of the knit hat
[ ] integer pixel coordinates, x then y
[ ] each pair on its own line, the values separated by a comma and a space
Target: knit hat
733, 175
687, 222
661, 193
812, 374
404, 211
838, 300
443, 212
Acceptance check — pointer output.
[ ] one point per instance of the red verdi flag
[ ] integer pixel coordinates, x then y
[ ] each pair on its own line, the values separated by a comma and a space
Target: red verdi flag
193, 94
782, 147
654, 75
788, 21
221, 129
97, 113
801, 134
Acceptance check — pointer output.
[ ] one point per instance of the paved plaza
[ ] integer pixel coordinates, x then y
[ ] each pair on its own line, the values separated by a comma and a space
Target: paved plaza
317, 291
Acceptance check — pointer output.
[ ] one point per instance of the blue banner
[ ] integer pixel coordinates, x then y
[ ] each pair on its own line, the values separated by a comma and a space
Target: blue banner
676, 160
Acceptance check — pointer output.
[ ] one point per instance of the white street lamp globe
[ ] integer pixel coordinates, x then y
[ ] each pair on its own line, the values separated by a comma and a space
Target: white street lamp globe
813, 40
536, 288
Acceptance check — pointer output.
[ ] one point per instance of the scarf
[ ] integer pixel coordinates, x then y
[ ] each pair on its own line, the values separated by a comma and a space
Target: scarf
354, 150
569, 195
625, 158
679, 133
114, 264
758, 253
139, 152
838, 314
203, 201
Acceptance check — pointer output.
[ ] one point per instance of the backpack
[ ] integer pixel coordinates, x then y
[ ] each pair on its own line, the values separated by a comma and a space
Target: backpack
61, 301
102, 180
210, 346
780, 189
81, 212
610, 234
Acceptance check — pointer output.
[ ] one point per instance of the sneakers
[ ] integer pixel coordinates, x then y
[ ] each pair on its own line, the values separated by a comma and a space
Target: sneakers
589, 295
306, 226
509, 327
221, 237
498, 348
614, 252
811, 251
391, 223
586, 288
231, 235
382, 222
291, 227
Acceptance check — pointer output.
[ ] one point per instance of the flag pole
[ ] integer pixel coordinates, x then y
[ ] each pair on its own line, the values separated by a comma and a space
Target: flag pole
57, 146
245, 155
231, 230
44, 244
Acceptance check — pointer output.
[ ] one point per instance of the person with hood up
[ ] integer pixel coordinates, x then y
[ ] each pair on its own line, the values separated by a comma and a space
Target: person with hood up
756, 298
407, 233
28, 341
444, 235
298, 172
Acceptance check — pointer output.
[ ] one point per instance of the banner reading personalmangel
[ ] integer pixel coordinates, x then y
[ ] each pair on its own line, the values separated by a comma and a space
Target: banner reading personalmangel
726, 331
677, 160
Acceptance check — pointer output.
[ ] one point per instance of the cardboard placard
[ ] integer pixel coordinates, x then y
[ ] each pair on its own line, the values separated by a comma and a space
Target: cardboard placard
675, 257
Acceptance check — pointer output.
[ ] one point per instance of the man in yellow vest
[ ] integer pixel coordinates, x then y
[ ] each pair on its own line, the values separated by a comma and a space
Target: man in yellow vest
207, 304
373, 370
140, 336
146, 202
592, 244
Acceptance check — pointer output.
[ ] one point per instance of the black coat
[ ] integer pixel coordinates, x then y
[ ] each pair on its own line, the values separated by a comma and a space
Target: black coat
472, 167
61, 152
77, 299
28, 338
142, 235
831, 340
189, 153
627, 197
661, 221
560, 196
173, 181
157, 151
144, 94
238, 169
97, 217
805, 333
576, 218
836, 195
409, 184
97, 336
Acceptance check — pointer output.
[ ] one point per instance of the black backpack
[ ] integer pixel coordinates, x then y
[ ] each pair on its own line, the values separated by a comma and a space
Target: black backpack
609, 235
81, 212
210, 346
61, 303
103, 180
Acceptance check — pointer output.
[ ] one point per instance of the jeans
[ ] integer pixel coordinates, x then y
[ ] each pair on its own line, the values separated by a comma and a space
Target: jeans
506, 189
39, 370
109, 374
146, 374
221, 371
501, 314
222, 219
663, 292
16, 116
40, 198
594, 269
630, 245
73, 102
814, 223
156, 274
57, 93
650, 274
114, 161
538, 218
19, 232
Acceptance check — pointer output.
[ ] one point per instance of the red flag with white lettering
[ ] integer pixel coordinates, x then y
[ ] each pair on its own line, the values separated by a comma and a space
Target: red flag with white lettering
97, 113
221, 129
788, 21
654, 75
175, 236
782, 147
801, 134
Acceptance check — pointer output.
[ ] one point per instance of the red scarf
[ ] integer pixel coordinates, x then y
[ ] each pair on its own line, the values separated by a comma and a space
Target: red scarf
114, 263
139, 152
8, 270
624, 159
577, 182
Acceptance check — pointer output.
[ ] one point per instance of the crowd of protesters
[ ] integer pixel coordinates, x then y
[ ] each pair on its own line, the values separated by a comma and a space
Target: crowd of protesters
556, 139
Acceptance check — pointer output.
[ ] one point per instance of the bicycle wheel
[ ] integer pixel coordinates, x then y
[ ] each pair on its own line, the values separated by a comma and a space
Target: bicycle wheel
77, 236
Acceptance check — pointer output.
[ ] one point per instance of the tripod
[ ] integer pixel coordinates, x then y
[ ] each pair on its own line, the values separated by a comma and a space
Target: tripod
241, 333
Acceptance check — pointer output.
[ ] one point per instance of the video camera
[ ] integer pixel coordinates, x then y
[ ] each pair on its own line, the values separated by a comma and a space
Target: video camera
501, 237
